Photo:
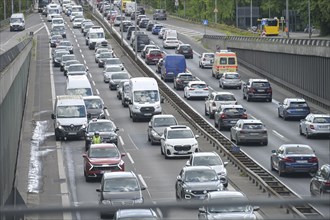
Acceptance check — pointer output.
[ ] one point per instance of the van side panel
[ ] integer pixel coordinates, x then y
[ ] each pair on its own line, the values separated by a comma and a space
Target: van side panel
173, 65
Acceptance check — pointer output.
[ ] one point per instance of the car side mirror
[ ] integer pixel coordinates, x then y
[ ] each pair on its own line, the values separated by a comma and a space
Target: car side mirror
196, 136
274, 151
225, 163
178, 178
87, 69
105, 107
188, 163
162, 99
98, 190
53, 116
143, 187
123, 154
149, 125
202, 210
84, 155
117, 129
89, 115
256, 208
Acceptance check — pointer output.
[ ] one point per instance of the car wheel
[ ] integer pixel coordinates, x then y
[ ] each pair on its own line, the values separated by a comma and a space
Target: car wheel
265, 143
280, 172
134, 119
271, 165
243, 95
284, 117
220, 85
231, 137
278, 113
149, 138
308, 136
165, 155
237, 141
211, 115
103, 216
87, 179
205, 112
248, 98
240, 87
215, 124
300, 131
161, 150
219, 126
152, 142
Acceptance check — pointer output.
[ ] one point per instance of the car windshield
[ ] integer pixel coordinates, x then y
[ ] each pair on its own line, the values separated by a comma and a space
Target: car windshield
298, 150
113, 69
16, 20
73, 62
59, 28
146, 96
101, 126
164, 122
80, 91
119, 76
103, 152
260, 84
96, 35
200, 176
198, 86
207, 161
322, 120
179, 134
93, 103
106, 55
113, 61
225, 97
65, 58
298, 104
76, 111
253, 126
76, 68
232, 76
209, 56
186, 77
65, 43
57, 21
229, 209
121, 185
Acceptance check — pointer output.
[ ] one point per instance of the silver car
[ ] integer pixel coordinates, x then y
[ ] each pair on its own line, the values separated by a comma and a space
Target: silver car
157, 125
249, 130
226, 212
206, 60
110, 69
230, 80
314, 125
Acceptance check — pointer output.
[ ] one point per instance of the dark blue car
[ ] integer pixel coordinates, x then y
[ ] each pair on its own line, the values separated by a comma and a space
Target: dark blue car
155, 30
293, 108
294, 158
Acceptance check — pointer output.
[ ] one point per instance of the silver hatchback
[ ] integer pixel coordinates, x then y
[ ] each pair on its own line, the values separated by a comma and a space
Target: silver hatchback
230, 80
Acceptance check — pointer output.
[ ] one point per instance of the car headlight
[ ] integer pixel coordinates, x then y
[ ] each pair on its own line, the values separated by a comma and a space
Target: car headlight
157, 106
195, 145
154, 133
113, 137
168, 145
101, 61
106, 202
137, 107
138, 201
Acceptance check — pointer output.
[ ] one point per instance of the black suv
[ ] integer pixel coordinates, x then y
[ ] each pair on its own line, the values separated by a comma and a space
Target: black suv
257, 89
182, 79
186, 50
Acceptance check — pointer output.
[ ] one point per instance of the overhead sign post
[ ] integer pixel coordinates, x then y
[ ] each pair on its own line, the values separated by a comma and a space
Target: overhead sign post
205, 23
215, 11
176, 4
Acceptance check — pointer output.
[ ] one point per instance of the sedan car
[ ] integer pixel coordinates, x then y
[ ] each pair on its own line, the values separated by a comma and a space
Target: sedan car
182, 80
293, 108
101, 158
216, 99
102, 57
249, 131
294, 158
162, 32
315, 125
99, 51
178, 141
66, 58
156, 29
95, 106
116, 77
156, 126
171, 42
206, 60
196, 89
213, 160
125, 25
208, 211
113, 61
76, 23
58, 57
106, 128
194, 182
110, 69
320, 183
230, 80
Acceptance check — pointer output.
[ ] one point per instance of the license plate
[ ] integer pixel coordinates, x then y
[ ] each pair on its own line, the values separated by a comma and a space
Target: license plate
261, 90
182, 152
301, 161
299, 110
185, 51
147, 114
155, 59
72, 133
102, 172
254, 133
324, 126
198, 91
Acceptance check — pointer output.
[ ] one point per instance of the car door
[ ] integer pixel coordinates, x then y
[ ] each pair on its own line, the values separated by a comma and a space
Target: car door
179, 183
163, 140
208, 101
235, 129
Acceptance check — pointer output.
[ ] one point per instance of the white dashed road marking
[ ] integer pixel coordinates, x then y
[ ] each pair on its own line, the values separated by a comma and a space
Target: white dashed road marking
130, 158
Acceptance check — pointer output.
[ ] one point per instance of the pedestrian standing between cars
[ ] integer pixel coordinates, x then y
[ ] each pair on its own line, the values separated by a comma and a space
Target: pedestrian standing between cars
96, 138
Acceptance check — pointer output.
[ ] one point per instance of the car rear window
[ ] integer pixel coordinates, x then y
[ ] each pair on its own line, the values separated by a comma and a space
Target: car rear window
155, 52
260, 84
298, 150
211, 56
232, 76
198, 86
186, 77
225, 98
234, 110
322, 120
164, 122
298, 104
253, 126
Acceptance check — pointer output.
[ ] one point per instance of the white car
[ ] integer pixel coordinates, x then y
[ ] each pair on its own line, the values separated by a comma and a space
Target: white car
196, 89
171, 42
178, 141
206, 60
76, 23
216, 99
230, 80
315, 125
118, 19
162, 32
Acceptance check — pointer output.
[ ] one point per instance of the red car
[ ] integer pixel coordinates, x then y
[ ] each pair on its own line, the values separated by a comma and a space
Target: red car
102, 158
153, 56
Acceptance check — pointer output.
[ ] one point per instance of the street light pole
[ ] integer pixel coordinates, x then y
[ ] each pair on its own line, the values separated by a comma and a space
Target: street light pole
251, 15
287, 19
4, 10
236, 13
309, 20
135, 29
121, 27
216, 11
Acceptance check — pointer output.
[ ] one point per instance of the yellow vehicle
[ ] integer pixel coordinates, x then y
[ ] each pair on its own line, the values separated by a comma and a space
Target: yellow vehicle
268, 26
224, 61
123, 4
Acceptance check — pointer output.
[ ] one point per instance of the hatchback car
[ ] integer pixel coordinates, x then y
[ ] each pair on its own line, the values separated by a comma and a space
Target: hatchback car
113, 61
99, 51
196, 89
315, 125
146, 48
101, 158
257, 89
118, 19
156, 126
150, 25
293, 108
230, 80
227, 116
178, 141
186, 50
210, 210
294, 158
121, 88
320, 183
213, 160
66, 58
119, 188
125, 94
162, 32
159, 65
110, 69
55, 40
182, 80
206, 60
58, 57
76, 23
153, 56
106, 128
95, 106
249, 131
216, 99
194, 182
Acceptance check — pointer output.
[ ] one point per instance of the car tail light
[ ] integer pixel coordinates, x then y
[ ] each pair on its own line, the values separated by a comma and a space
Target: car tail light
223, 115
269, 90
204, 59
206, 89
313, 160
251, 90
263, 132
178, 80
214, 104
327, 183
244, 116
191, 89
311, 127
288, 159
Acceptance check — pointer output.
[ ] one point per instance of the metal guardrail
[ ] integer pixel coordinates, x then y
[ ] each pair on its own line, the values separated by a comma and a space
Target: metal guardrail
290, 41
7, 57
258, 175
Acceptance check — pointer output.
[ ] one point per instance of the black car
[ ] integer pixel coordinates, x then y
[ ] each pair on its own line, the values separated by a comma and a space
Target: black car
182, 79
226, 116
320, 183
143, 23
129, 31
257, 89
150, 25
159, 66
141, 10
186, 50
141, 41
125, 25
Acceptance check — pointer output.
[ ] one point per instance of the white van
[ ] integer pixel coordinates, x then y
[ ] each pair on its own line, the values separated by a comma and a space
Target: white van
53, 10
93, 36
70, 117
144, 98
170, 33
17, 22
78, 85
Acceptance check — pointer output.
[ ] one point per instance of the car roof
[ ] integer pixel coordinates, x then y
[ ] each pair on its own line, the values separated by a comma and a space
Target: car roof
197, 82
296, 100
103, 145
296, 145
222, 93
188, 168
230, 73
185, 74
231, 106
136, 213
204, 154
97, 120
226, 194
250, 121
125, 174
163, 116
258, 80
92, 97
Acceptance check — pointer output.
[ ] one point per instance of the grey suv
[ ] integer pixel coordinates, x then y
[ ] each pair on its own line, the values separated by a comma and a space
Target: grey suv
159, 14
157, 125
257, 89
119, 189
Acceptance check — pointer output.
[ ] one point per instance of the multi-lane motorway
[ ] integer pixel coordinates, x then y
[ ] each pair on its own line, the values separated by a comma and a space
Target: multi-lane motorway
153, 170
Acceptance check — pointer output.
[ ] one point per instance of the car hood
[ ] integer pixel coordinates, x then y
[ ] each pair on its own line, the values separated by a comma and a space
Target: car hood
212, 185
109, 161
218, 168
103, 133
231, 215
72, 121
159, 130
121, 195
184, 141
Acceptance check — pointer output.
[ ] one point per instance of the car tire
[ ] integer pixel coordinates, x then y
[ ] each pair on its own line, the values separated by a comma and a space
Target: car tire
205, 112
220, 86
103, 216
265, 143
219, 127
237, 141
278, 113
165, 155
308, 136
240, 87
244, 95
231, 137
280, 172
211, 115
215, 124
57, 138
87, 179
271, 165
161, 150
134, 119
248, 98
300, 131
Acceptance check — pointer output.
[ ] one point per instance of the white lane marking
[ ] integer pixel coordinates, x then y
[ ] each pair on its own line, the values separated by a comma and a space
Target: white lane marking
130, 158
97, 92
121, 141
107, 112
83, 56
132, 141
78, 45
19, 33
76, 40
60, 163
93, 83
85, 62
142, 180
278, 134
90, 75
253, 117
75, 36
39, 30
80, 50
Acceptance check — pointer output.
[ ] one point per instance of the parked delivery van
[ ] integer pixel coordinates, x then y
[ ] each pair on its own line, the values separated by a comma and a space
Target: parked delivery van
173, 64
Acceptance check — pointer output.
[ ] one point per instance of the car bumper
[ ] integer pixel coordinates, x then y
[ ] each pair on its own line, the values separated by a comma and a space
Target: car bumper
319, 132
145, 115
197, 95
228, 123
252, 139
63, 134
171, 152
300, 168
232, 84
259, 96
